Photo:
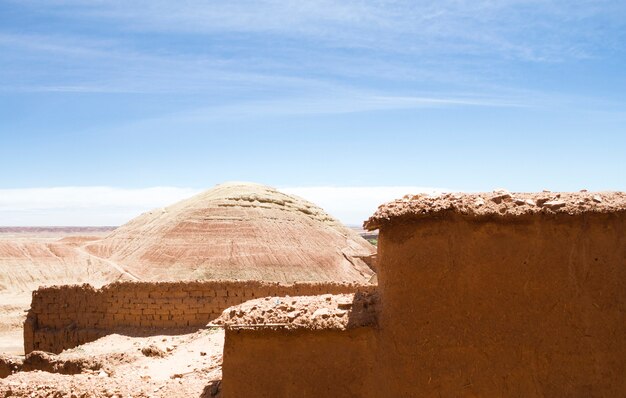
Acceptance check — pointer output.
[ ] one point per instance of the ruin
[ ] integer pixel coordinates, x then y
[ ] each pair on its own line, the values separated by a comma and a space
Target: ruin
494, 294
62, 317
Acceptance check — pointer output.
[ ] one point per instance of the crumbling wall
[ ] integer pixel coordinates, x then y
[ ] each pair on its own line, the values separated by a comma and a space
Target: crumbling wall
62, 317
299, 363
530, 306
483, 295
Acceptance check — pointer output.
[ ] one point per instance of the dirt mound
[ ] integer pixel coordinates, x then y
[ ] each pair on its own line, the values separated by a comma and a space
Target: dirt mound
9, 364
39, 360
238, 231
152, 350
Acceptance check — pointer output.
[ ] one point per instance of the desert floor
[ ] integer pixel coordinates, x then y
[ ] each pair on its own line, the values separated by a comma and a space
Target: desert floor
186, 365
23, 266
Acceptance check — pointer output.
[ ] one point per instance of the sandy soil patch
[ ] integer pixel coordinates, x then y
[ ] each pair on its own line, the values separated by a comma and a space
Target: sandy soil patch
190, 367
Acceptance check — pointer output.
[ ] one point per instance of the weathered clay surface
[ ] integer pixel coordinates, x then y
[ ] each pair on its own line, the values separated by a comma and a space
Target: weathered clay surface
62, 317
499, 204
342, 311
239, 231
530, 306
9, 364
300, 363
500, 299
321, 346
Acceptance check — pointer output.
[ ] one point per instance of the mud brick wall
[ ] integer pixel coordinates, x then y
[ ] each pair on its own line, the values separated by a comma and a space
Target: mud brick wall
529, 306
62, 317
304, 363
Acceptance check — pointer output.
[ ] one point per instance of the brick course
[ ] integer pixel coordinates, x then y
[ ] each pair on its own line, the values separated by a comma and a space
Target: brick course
63, 317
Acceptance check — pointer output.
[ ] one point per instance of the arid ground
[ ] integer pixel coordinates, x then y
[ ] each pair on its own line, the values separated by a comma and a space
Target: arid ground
30, 257
116, 365
233, 231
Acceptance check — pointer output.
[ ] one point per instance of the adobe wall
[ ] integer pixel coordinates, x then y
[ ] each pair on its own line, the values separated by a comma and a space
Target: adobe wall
528, 306
62, 317
299, 363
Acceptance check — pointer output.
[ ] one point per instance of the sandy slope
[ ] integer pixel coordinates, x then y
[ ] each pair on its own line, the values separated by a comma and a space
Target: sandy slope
239, 231
233, 231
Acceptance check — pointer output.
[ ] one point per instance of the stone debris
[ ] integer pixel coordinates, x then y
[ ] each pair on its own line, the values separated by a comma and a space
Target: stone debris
321, 313
153, 351
554, 204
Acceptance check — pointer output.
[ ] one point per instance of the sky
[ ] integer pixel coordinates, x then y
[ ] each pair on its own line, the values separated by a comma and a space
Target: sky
110, 108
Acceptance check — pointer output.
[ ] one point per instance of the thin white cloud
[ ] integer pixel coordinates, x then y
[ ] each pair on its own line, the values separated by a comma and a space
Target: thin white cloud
82, 206
107, 206
524, 29
459, 45
334, 103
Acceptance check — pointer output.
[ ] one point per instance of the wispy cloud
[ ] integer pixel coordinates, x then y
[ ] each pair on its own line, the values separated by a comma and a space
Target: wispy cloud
242, 58
336, 102
526, 29
262, 48
97, 206
82, 206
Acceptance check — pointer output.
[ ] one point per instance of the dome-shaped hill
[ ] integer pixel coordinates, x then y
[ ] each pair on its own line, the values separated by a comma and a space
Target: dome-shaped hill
239, 231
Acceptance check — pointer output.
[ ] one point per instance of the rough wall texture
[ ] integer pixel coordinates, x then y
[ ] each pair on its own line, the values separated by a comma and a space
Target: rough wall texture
528, 303
530, 306
62, 317
270, 363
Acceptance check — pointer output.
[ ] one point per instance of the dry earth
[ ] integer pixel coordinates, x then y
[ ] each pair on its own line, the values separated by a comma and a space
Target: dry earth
188, 365
122, 366
32, 257
239, 231
233, 231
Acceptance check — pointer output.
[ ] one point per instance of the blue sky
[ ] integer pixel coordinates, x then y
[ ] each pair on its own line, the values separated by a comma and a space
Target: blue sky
460, 95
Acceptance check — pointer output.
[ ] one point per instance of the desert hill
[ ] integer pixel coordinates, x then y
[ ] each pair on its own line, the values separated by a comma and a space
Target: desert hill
238, 231
233, 231
24, 266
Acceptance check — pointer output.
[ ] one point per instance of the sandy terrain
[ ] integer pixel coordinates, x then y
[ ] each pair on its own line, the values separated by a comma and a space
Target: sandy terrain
33, 257
187, 365
12, 315
123, 366
233, 231
239, 231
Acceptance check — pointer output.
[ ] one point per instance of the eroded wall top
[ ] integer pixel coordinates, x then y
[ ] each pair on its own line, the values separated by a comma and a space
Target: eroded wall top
496, 204
328, 311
